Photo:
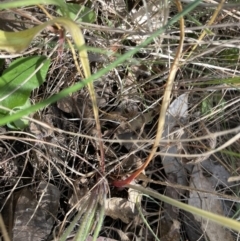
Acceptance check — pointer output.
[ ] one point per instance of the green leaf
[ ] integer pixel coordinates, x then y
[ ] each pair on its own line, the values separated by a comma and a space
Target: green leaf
19, 79
206, 106
19, 124
213, 101
79, 13
230, 55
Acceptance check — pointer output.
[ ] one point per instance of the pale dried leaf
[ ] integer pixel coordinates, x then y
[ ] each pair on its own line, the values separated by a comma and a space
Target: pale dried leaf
219, 174
208, 202
116, 6
179, 107
120, 6
122, 208
149, 17
134, 197
173, 165
119, 208
177, 113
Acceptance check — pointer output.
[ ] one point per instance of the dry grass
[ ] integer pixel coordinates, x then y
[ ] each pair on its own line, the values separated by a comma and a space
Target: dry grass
60, 145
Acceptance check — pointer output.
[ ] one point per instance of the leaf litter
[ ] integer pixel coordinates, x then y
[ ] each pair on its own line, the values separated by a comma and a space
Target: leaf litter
33, 218
209, 203
128, 99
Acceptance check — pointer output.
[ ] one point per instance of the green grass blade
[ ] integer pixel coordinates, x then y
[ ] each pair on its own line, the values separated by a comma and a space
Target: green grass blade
146, 222
226, 222
100, 221
69, 229
88, 220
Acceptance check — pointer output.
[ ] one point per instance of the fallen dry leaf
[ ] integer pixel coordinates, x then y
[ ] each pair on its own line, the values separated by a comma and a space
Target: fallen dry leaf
177, 112
122, 208
208, 202
33, 220
218, 174
150, 17
119, 208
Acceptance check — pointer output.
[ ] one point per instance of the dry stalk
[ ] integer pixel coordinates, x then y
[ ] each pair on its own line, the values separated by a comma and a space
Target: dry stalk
164, 106
211, 21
